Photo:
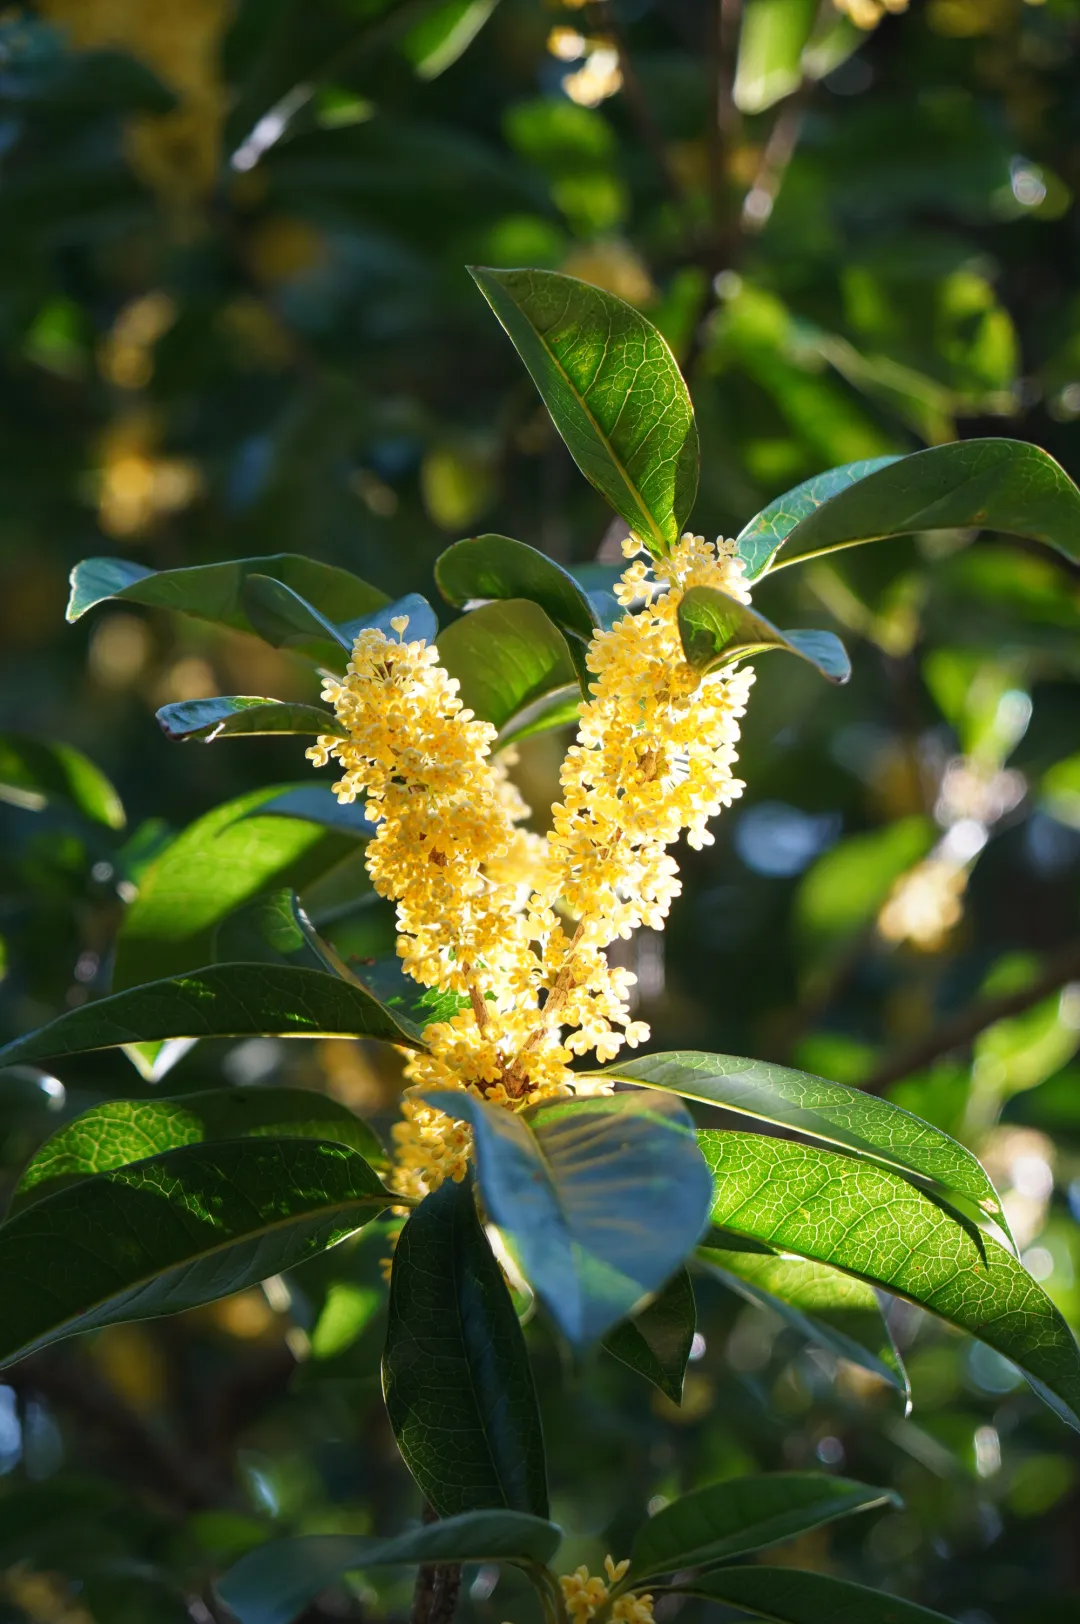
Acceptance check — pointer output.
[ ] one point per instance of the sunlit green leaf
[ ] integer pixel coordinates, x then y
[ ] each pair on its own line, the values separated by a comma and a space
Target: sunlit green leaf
222, 1000
870, 1222
218, 862
273, 929
613, 389
276, 1582
599, 1199
122, 1131
35, 774
508, 657
717, 630
317, 803
174, 1231
657, 1342
766, 532
829, 1112
741, 1515
437, 41
834, 1310
497, 567
771, 43
224, 717
1004, 485
456, 1378
215, 591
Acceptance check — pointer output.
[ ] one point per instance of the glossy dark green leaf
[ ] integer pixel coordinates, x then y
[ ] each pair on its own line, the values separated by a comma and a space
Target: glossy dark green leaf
275, 1582
215, 591
486, 567
508, 658
599, 1199
219, 1001
456, 1378
741, 1515
273, 929
317, 803
219, 862
717, 630
174, 1231
790, 1596
225, 717
399, 992
122, 1131
759, 540
657, 1342
1004, 485
285, 619
771, 41
614, 392
35, 774
830, 1112
834, 1310
560, 708
873, 1224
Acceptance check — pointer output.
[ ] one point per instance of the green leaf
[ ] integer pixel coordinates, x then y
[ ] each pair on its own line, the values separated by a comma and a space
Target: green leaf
218, 718
273, 1584
561, 708
216, 863
456, 1378
215, 591
832, 1309
613, 389
873, 1224
771, 43
873, 1129
437, 41
759, 540
508, 657
386, 978
741, 1515
272, 930
789, 1596
175, 1231
220, 1001
717, 630
657, 1342
35, 774
486, 567
599, 1199
285, 619
1003, 485
317, 803
122, 1131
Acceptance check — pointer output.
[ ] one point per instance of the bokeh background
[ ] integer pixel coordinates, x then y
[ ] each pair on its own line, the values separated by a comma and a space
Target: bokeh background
235, 319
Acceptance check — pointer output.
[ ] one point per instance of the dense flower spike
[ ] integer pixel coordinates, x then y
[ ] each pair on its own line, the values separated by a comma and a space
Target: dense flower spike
514, 923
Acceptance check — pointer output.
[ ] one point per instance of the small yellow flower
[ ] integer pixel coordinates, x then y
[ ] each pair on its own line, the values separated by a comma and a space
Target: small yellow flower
584, 1596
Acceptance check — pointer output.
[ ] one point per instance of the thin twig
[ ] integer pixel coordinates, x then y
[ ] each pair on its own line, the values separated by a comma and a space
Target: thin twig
637, 101
777, 154
963, 1028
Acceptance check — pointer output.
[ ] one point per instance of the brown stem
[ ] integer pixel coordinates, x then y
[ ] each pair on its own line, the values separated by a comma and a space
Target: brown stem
438, 1586
962, 1029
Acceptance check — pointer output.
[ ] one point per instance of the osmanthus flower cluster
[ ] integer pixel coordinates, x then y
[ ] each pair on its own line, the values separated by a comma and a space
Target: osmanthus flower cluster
584, 1596
513, 923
